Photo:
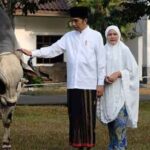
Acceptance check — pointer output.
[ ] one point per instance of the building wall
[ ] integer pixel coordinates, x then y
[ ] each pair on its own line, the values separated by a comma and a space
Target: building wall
143, 27
146, 51
143, 46
148, 43
136, 47
26, 29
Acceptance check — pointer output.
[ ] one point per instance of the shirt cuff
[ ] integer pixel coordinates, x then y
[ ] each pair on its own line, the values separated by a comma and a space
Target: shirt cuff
34, 53
101, 82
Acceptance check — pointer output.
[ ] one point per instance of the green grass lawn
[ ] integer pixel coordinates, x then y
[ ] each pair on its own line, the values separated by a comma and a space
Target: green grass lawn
46, 128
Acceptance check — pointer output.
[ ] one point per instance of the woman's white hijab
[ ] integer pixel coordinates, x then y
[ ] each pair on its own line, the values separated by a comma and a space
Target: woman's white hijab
125, 90
115, 28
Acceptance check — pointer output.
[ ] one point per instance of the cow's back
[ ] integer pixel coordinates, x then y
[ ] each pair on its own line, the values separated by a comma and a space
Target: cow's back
8, 41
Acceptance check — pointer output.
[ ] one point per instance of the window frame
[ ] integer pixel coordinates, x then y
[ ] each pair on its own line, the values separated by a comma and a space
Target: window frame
52, 39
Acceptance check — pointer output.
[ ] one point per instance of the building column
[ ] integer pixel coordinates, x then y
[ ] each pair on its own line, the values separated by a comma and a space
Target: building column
146, 50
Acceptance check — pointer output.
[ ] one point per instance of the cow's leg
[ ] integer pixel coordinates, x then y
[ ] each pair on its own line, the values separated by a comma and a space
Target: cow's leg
7, 112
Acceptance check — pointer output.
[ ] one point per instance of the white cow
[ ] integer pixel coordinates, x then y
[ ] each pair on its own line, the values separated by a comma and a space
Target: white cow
11, 74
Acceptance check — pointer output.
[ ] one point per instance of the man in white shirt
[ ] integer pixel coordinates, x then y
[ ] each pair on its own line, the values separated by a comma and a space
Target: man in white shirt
85, 75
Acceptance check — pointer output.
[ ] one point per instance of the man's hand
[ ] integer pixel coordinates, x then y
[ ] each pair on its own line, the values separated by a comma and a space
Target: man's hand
99, 90
25, 51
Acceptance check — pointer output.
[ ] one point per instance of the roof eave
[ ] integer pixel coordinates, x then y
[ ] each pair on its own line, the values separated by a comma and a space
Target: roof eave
44, 13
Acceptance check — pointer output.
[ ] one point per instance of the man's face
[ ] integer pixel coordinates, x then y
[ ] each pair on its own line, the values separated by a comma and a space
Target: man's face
78, 23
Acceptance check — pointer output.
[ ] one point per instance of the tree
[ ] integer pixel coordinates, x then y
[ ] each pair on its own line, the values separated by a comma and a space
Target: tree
123, 13
28, 6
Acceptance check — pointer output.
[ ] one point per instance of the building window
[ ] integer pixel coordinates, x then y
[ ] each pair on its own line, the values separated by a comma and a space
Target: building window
47, 40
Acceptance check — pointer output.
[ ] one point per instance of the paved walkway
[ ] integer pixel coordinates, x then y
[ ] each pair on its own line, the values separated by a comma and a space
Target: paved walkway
145, 93
42, 100
62, 99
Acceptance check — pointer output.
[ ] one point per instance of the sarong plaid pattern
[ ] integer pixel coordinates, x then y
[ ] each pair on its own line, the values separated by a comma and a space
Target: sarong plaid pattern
82, 117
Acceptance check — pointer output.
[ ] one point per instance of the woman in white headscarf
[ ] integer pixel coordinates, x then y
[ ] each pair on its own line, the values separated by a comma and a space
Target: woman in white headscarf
120, 103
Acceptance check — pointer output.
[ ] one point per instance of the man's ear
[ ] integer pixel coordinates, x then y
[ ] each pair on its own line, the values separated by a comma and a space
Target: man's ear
86, 20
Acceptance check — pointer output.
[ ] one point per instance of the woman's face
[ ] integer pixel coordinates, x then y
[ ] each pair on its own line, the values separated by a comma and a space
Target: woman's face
112, 37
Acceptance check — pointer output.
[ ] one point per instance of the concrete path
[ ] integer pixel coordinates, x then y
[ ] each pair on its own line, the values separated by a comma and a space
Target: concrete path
145, 97
42, 100
53, 100
62, 99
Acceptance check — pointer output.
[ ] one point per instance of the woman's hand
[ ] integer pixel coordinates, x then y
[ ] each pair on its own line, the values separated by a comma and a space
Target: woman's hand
108, 80
113, 77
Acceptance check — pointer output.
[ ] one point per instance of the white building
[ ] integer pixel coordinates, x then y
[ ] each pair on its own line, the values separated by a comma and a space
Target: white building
42, 29
140, 47
33, 32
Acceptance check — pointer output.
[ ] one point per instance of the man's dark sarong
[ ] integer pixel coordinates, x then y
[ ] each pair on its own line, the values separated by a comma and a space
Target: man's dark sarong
82, 117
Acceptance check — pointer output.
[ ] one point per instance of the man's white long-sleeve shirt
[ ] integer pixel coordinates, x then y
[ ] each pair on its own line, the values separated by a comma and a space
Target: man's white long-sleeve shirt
86, 58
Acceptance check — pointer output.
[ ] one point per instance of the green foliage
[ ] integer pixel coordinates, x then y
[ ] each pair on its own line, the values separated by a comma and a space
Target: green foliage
27, 5
32, 79
37, 80
124, 14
